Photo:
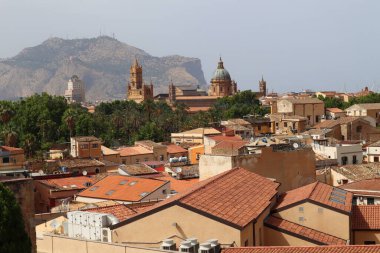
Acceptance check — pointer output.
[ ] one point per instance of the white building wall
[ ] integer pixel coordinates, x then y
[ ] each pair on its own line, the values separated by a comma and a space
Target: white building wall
339, 151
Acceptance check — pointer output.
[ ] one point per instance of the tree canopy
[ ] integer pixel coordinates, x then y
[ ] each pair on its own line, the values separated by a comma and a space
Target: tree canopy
13, 238
37, 122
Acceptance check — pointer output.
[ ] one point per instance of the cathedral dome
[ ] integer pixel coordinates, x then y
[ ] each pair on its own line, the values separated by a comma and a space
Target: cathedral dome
221, 74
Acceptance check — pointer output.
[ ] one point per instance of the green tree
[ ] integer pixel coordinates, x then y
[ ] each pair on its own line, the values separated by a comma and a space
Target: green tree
13, 238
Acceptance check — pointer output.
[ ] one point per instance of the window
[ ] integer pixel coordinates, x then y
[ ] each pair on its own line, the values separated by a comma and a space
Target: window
164, 191
95, 145
355, 201
376, 159
124, 161
370, 201
344, 160
354, 161
161, 158
300, 219
143, 194
285, 124
198, 156
97, 170
137, 160
246, 243
6, 159
320, 210
146, 159
84, 146
369, 242
300, 209
317, 118
259, 128
359, 129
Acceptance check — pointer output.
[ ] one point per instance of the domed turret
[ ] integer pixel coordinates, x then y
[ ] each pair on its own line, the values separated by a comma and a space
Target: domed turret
221, 82
221, 73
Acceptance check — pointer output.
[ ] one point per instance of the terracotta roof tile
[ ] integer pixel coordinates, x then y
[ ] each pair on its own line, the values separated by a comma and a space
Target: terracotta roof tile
108, 151
173, 149
131, 151
71, 182
307, 249
12, 150
137, 169
366, 217
317, 192
124, 188
302, 231
219, 138
180, 185
86, 138
370, 186
80, 163
334, 110
237, 196
121, 212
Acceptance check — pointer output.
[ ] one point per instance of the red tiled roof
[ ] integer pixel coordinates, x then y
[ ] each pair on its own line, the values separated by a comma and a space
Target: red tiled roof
219, 138
302, 231
316, 192
125, 188
307, 249
121, 212
180, 185
173, 149
70, 182
236, 197
372, 184
228, 147
130, 151
12, 150
366, 217
334, 110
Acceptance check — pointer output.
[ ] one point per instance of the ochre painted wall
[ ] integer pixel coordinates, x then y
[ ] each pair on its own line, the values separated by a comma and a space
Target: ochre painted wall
319, 218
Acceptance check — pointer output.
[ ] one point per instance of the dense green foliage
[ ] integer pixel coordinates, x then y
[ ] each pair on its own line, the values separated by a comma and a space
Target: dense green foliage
13, 238
36, 122
339, 103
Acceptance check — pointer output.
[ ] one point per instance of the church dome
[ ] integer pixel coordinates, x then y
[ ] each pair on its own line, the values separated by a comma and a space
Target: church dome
221, 74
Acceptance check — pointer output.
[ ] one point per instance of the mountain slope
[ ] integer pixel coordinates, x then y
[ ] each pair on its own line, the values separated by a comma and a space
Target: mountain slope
103, 63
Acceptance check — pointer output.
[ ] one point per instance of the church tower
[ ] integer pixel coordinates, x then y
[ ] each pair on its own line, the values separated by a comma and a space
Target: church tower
135, 76
263, 87
137, 90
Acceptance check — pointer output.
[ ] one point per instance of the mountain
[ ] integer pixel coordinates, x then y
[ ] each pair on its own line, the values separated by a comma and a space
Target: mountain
102, 63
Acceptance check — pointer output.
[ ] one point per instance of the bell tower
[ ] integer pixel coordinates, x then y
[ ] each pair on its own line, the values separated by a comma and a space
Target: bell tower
263, 86
135, 76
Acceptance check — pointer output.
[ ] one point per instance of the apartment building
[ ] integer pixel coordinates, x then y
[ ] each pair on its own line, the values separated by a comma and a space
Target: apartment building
12, 161
85, 147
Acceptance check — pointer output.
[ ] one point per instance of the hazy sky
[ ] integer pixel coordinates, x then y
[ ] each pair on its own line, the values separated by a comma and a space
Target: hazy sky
295, 44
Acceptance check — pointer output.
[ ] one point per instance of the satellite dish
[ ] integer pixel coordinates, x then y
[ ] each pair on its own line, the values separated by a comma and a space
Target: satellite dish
179, 170
295, 145
41, 172
84, 173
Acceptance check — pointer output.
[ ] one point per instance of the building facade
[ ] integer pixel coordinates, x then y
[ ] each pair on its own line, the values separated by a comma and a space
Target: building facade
138, 91
75, 92
86, 147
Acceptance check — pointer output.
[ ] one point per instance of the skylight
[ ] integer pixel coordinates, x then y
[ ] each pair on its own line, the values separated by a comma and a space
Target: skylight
94, 188
110, 192
143, 194
123, 182
133, 183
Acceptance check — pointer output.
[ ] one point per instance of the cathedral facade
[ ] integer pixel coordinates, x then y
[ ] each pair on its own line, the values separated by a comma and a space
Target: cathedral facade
138, 91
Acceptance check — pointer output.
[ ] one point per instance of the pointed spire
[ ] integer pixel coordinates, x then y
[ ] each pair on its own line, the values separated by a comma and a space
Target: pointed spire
262, 77
135, 63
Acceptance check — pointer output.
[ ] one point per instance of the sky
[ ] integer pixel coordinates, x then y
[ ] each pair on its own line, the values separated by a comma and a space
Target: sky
294, 44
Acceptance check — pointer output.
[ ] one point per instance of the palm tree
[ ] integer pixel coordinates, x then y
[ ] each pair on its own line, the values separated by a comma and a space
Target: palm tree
10, 137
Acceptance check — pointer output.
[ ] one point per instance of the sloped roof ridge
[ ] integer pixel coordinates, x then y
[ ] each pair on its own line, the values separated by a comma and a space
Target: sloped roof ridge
206, 182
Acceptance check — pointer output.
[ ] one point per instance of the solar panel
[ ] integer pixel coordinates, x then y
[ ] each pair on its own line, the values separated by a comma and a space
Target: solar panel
340, 201
340, 190
337, 195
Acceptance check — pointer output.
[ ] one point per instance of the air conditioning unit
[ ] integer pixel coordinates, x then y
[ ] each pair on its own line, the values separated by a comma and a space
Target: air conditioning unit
186, 247
339, 181
215, 245
205, 248
106, 235
168, 244
194, 243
